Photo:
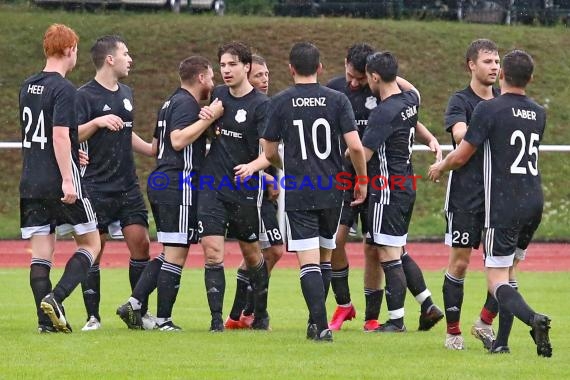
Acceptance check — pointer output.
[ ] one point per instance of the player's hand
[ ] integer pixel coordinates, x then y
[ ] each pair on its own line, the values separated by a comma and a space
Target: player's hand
111, 122
360, 192
435, 172
213, 111
272, 190
83, 158
436, 149
69, 193
243, 172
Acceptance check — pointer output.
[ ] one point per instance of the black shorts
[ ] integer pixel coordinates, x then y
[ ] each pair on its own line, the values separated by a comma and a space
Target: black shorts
388, 224
312, 229
216, 215
126, 207
355, 214
44, 216
503, 245
176, 225
269, 234
464, 229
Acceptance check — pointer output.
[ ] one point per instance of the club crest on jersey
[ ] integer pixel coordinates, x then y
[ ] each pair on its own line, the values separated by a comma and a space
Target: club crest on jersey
371, 102
127, 104
241, 115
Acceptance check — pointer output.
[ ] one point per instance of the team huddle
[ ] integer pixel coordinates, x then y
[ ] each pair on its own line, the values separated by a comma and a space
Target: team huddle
79, 177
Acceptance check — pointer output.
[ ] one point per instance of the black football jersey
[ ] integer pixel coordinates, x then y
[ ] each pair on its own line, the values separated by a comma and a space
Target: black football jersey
180, 167
390, 134
509, 130
111, 165
235, 141
465, 185
46, 101
362, 101
311, 120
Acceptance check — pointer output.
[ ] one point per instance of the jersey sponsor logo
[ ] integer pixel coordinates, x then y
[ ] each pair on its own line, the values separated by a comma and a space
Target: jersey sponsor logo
106, 107
362, 123
371, 102
309, 102
524, 114
127, 104
226, 132
241, 116
128, 124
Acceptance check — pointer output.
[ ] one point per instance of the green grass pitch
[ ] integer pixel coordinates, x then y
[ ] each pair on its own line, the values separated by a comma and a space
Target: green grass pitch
115, 352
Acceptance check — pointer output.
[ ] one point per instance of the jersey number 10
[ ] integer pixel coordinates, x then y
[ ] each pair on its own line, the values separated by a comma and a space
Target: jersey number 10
316, 124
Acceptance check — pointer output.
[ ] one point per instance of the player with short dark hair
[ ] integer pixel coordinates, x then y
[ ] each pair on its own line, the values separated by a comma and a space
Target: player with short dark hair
105, 114
464, 202
180, 146
311, 120
270, 240
354, 85
388, 140
509, 129
51, 193
230, 200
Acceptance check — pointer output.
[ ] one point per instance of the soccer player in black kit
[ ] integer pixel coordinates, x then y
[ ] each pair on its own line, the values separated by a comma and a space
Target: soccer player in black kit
388, 141
105, 114
311, 119
354, 85
464, 202
270, 236
51, 193
230, 191
509, 129
180, 144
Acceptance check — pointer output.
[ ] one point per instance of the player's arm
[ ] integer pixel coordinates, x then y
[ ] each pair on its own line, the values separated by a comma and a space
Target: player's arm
142, 147
453, 160
247, 170
181, 138
425, 137
88, 129
458, 131
356, 151
368, 153
271, 186
271, 150
407, 86
455, 119
62, 150
154, 146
